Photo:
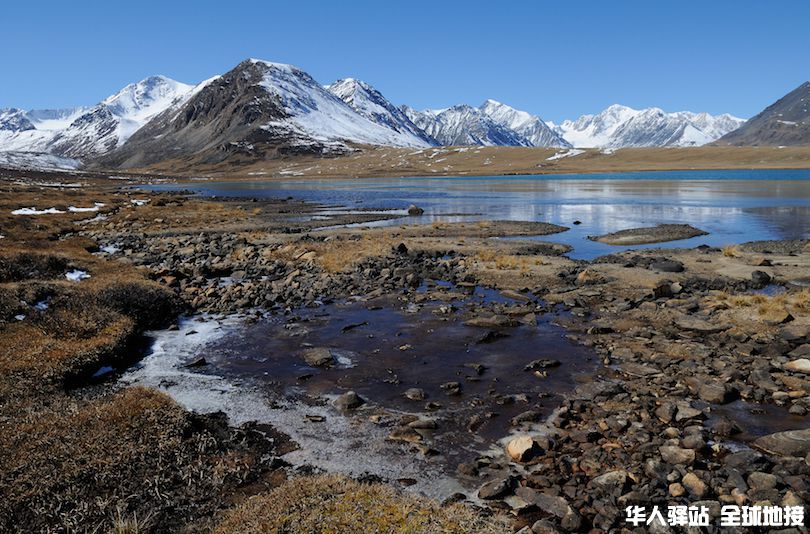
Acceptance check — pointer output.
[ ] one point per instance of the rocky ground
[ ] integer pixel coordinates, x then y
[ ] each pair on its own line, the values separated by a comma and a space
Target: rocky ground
693, 344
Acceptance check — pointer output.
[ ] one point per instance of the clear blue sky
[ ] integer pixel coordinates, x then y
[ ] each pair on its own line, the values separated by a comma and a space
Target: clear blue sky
555, 59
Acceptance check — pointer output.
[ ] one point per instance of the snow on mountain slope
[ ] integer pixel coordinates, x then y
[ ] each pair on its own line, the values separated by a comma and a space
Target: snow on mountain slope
371, 104
82, 132
621, 126
110, 123
316, 112
529, 126
464, 126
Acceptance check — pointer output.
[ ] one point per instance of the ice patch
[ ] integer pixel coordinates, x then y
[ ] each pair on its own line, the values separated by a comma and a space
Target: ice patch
109, 249
139, 201
340, 444
95, 207
19, 317
34, 211
76, 275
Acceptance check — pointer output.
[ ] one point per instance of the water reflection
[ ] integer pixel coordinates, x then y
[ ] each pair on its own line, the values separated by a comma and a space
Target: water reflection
733, 206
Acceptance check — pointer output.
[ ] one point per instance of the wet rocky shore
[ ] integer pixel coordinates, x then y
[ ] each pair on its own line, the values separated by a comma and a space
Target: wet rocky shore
688, 345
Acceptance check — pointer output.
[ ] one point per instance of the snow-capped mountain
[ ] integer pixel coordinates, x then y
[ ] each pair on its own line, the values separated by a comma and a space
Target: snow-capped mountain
88, 132
371, 104
621, 126
110, 123
530, 127
463, 126
257, 108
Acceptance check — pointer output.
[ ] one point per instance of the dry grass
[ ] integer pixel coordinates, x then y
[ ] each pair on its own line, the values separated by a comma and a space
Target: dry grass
335, 256
494, 259
794, 302
333, 504
731, 251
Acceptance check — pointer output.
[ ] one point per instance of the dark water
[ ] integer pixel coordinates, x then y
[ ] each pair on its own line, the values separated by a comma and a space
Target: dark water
392, 346
733, 206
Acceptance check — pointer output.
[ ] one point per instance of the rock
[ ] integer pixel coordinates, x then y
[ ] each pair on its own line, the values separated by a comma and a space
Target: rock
495, 489
423, 424
544, 526
522, 448
801, 365
405, 434
413, 209
695, 486
676, 489
686, 412
760, 278
200, 362
349, 401
554, 505
415, 394
529, 416
662, 291
452, 388
612, 480
515, 295
541, 364
667, 266
318, 356
801, 351
790, 443
493, 321
762, 481
717, 393
676, 455
638, 369
693, 324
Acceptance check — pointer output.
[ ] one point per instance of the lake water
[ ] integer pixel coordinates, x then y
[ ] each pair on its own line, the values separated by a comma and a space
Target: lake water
733, 206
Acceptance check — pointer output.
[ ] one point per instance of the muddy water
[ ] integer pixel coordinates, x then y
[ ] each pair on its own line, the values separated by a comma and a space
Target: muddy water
384, 347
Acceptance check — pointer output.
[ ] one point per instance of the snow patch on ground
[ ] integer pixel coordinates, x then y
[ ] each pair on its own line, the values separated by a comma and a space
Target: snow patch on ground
77, 275
95, 207
34, 211
566, 154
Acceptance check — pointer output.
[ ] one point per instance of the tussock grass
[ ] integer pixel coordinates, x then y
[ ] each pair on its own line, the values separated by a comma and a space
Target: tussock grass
731, 251
335, 256
794, 302
497, 260
333, 504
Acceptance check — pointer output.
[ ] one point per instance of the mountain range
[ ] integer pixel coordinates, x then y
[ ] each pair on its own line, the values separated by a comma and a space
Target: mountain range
263, 109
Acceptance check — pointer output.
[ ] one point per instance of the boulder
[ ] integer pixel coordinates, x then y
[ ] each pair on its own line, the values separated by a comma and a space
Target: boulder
760, 278
801, 365
717, 393
318, 356
349, 401
790, 443
494, 489
676, 455
415, 394
695, 486
413, 209
522, 448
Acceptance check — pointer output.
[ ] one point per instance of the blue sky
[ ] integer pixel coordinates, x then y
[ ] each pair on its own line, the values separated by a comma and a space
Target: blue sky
555, 59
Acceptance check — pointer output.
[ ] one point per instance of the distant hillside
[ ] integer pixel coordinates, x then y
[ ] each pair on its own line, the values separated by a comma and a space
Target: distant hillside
786, 122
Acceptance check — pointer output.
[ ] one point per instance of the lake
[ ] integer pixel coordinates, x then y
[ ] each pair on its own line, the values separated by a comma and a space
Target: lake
733, 206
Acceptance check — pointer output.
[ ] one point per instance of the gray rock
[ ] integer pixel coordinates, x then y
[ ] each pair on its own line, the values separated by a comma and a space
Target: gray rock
667, 266
413, 209
496, 489
677, 455
790, 443
717, 393
415, 394
318, 356
762, 481
349, 401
